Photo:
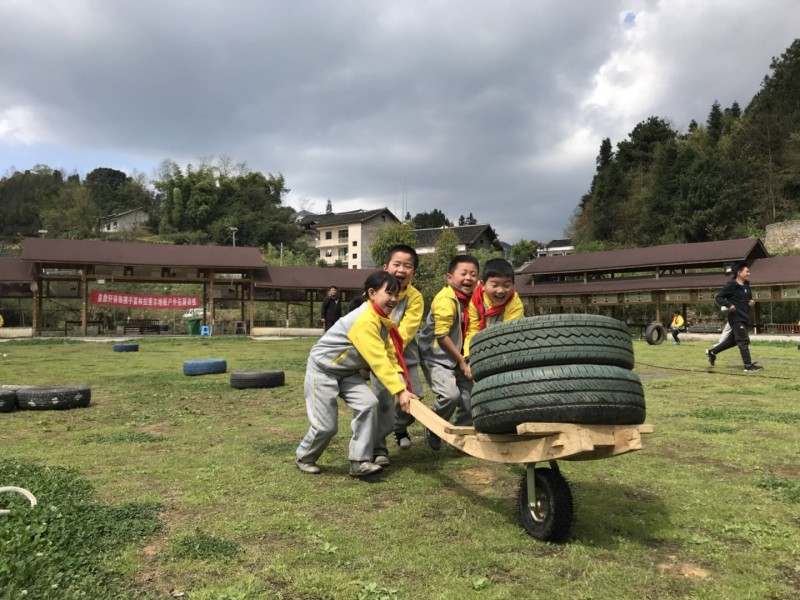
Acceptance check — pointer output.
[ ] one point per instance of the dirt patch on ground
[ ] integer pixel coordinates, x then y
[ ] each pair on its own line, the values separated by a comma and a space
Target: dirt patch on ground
682, 570
481, 480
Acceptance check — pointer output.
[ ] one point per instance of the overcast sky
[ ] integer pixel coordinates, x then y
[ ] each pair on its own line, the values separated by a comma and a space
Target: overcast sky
491, 107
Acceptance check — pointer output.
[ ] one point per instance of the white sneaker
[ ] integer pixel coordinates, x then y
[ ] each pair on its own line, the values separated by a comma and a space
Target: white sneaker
364, 469
382, 460
306, 467
402, 439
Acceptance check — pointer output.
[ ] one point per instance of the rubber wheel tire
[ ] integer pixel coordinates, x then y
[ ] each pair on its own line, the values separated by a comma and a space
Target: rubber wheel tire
655, 334
56, 397
257, 379
126, 347
205, 366
550, 340
587, 394
8, 400
550, 518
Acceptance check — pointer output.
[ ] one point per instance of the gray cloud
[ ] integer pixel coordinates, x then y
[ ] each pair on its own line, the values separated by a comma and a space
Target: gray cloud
492, 108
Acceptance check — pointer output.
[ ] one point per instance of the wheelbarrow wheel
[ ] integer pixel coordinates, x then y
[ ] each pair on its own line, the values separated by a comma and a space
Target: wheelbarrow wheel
549, 517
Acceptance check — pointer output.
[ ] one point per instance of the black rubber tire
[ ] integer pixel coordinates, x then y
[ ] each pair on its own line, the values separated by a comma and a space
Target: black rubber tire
55, 397
655, 334
550, 340
257, 379
126, 347
586, 394
551, 517
205, 366
8, 400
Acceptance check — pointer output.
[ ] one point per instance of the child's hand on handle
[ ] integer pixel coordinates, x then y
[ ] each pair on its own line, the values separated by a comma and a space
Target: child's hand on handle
404, 398
464, 366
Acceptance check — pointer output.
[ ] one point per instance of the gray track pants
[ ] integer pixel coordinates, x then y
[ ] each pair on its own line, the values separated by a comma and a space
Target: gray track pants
390, 416
321, 389
452, 391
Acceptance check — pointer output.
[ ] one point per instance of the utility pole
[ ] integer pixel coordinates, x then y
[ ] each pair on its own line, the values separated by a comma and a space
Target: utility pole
233, 232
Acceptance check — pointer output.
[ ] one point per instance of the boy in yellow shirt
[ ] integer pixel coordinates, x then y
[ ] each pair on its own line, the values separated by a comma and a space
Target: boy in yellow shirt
441, 346
494, 299
402, 262
675, 327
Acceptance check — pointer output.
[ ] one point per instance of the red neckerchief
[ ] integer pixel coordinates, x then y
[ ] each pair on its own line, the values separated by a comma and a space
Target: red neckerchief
394, 333
464, 299
477, 302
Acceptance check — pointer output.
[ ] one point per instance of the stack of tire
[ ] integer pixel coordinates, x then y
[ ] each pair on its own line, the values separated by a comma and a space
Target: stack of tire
554, 369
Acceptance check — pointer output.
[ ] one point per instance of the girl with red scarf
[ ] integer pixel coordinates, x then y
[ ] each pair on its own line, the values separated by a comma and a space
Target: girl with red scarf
364, 338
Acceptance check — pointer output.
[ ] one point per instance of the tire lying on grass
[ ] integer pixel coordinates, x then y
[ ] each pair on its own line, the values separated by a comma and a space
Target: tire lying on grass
550, 340
126, 347
583, 394
205, 366
8, 400
53, 397
655, 334
257, 379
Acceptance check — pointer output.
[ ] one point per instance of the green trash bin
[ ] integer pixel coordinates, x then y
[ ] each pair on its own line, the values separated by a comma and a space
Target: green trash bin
193, 325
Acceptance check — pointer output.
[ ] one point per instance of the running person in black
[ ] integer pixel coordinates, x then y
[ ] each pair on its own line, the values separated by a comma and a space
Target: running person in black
736, 297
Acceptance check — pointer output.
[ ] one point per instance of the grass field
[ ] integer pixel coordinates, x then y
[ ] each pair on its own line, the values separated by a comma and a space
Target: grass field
171, 486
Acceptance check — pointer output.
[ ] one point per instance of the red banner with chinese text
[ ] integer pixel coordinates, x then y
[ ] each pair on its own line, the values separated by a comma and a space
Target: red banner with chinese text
108, 298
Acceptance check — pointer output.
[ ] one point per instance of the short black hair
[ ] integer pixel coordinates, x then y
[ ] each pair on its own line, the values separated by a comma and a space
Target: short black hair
738, 267
497, 267
461, 258
377, 279
405, 248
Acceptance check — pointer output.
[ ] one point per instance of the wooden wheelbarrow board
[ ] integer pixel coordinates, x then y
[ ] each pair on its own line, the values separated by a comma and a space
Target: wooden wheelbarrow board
536, 442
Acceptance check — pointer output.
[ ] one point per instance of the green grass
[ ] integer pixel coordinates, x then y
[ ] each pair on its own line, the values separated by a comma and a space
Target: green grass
184, 485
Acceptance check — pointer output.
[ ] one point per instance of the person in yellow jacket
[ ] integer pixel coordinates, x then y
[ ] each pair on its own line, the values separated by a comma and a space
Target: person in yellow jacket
441, 346
494, 299
676, 327
364, 338
402, 262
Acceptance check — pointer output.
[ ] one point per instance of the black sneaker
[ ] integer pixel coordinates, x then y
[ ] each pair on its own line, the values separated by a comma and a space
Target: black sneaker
433, 440
753, 367
712, 358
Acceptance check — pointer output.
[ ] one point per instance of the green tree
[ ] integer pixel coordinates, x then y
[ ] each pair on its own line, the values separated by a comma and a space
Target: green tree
75, 216
390, 235
430, 220
433, 267
523, 251
714, 123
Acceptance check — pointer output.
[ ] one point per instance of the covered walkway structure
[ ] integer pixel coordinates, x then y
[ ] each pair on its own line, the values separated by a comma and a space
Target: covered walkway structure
677, 274
226, 276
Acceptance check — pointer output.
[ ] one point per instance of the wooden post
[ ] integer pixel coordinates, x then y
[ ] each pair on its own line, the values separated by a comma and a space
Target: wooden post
84, 301
210, 319
36, 304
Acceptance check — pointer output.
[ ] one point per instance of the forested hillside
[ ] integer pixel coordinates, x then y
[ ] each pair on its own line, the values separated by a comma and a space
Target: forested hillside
726, 178
195, 205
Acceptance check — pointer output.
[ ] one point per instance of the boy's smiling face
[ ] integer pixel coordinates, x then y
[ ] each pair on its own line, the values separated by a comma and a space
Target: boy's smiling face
498, 289
401, 265
464, 277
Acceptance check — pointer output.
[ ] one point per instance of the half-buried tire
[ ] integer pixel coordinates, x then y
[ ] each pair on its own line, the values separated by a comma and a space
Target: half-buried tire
257, 379
53, 397
205, 366
550, 340
584, 394
8, 400
126, 347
